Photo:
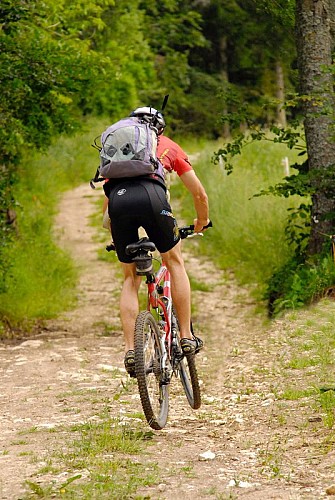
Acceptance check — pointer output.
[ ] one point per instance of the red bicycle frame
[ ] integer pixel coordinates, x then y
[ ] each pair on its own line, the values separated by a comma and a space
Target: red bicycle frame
159, 296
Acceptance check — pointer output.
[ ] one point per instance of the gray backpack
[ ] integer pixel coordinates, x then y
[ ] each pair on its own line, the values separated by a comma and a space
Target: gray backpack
128, 149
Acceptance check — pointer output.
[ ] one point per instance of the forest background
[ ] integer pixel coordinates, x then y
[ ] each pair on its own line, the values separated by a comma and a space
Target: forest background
232, 72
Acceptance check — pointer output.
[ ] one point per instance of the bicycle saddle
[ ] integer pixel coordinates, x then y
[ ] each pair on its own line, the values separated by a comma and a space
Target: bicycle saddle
142, 244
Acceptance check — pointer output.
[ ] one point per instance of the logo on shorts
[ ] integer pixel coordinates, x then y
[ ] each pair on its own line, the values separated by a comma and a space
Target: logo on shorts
166, 212
121, 192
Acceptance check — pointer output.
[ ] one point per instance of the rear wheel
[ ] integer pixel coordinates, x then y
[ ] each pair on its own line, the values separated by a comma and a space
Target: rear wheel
148, 355
188, 373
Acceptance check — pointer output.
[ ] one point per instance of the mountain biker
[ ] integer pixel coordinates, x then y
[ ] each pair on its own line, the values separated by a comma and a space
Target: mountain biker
142, 202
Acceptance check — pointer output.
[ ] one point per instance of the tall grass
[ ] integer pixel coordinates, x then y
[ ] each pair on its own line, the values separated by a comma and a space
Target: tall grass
248, 232
42, 278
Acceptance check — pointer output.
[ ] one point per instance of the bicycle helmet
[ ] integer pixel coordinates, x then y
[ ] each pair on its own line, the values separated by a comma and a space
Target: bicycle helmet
151, 115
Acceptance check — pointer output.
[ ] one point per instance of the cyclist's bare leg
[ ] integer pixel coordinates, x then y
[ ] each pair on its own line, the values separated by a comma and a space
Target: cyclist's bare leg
180, 289
129, 306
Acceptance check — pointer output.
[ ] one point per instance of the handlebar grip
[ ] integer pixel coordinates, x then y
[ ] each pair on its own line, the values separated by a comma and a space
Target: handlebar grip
189, 230
210, 224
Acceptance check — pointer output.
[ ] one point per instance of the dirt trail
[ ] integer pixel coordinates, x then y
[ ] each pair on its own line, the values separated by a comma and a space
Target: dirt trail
255, 453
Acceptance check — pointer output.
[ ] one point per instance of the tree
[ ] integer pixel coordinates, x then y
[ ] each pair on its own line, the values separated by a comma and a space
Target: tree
314, 47
45, 69
173, 31
249, 51
127, 61
314, 33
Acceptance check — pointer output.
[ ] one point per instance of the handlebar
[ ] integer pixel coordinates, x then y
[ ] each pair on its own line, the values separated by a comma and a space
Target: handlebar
188, 231
184, 232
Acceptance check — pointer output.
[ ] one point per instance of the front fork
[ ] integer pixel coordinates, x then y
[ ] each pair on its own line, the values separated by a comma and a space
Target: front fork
160, 299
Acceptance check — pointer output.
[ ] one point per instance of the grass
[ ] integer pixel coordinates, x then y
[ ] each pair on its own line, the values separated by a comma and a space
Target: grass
248, 233
98, 461
272, 458
101, 458
308, 366
32, 294
200, 286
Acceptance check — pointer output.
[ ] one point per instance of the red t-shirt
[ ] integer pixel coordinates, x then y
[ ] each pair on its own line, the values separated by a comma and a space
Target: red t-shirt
172, 156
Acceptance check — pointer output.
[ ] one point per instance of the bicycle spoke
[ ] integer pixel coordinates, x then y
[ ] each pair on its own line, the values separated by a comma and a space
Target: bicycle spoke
154, 395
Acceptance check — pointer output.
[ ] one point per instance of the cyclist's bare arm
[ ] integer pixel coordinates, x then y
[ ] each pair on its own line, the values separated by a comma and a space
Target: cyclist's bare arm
200, 199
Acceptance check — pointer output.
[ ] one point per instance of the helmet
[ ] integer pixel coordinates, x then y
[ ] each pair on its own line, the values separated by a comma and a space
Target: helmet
151, 115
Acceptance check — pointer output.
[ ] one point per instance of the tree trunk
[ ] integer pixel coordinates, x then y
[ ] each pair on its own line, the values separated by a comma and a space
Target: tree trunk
332, 23
224, 75
314, 48
280, 94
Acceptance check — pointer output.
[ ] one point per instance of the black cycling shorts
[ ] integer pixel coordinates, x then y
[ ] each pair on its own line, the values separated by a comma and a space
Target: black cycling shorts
141, 203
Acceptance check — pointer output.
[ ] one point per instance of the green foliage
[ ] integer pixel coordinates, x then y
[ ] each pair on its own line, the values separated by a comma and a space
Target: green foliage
259, 242
279, 11
292, 137
198, 114
147, 45
248, 233
173, 31
297, 184
297, 284
127, 61
28, 292
46, 70
245, 42
175, 25
6, 224
43, 75
59, 59
298, 281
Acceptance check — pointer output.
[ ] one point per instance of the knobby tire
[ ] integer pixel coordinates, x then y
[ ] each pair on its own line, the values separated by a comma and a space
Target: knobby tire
190, 382
188, 375
148, 353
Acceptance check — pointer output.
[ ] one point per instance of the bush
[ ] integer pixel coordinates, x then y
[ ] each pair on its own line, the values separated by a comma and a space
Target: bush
297, 284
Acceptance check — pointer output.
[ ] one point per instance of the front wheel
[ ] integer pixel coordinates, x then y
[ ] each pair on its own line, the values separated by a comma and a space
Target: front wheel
154, 393
190, 382
186, 367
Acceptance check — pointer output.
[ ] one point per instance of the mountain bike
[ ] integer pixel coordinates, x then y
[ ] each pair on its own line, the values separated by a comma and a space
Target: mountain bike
158, 353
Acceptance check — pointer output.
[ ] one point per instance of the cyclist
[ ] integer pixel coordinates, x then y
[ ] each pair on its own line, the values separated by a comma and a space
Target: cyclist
142, 202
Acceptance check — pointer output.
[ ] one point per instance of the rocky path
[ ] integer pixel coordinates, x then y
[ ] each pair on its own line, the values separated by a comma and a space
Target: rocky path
243, 442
